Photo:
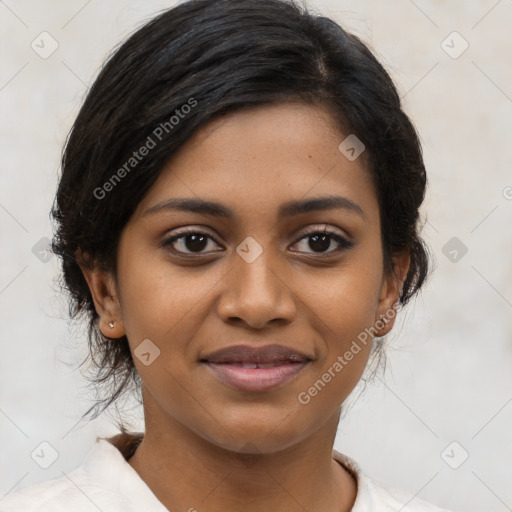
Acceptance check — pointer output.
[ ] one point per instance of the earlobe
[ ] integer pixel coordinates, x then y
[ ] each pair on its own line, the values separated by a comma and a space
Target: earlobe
104, 294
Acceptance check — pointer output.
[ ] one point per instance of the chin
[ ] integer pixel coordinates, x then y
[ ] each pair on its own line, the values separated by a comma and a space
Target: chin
257, 435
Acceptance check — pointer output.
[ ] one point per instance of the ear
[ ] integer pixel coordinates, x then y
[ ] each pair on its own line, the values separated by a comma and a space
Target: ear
392, 285
103, 289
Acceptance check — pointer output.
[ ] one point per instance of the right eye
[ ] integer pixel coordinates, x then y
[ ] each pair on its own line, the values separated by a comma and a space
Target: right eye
188, 242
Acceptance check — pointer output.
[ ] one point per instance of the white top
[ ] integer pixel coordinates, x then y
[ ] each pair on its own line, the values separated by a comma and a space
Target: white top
106, 482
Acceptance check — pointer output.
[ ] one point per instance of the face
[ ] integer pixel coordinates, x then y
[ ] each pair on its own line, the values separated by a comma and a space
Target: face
234, 311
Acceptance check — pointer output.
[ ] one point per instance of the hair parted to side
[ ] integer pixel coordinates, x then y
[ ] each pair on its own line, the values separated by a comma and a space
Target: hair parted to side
220, 56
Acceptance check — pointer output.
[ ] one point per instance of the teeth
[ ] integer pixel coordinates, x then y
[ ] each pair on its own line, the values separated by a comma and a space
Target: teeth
253, 366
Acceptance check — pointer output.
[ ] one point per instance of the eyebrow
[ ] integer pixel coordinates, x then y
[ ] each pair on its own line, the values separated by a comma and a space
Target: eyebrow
287, 209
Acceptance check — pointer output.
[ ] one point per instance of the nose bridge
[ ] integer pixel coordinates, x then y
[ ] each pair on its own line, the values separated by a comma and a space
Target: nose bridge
258, 276
256, 291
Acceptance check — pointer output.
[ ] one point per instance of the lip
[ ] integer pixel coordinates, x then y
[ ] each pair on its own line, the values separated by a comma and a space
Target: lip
256, 368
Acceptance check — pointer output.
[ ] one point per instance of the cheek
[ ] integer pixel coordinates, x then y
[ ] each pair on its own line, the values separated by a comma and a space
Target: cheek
157, 296
342, 308
345, 300
347, 344
346, 347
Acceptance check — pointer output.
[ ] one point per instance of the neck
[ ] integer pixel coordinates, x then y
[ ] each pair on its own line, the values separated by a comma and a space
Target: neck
187, 472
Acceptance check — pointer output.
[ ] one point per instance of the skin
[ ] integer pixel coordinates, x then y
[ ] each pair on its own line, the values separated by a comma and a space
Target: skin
232, 450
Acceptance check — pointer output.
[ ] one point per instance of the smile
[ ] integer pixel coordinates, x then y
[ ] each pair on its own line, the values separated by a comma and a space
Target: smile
256, 369
255, 376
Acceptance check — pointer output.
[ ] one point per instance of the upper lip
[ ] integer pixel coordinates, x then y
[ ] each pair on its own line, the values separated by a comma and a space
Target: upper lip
249, 354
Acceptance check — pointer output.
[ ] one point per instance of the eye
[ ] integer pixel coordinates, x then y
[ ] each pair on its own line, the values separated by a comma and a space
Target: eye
190, 241
321, 239
194, 241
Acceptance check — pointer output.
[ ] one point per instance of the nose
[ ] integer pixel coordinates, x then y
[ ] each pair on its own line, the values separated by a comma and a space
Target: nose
256, 294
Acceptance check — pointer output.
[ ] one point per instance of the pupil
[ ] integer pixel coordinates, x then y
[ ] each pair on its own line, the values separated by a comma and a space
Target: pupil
324, 243
195, 242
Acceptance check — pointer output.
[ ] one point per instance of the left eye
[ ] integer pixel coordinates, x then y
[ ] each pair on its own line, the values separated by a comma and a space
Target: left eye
320, 241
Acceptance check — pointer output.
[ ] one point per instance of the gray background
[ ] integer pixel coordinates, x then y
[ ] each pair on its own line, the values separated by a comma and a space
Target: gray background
449, 358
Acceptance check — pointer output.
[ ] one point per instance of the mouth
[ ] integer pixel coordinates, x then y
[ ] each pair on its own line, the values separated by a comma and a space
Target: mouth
256, 369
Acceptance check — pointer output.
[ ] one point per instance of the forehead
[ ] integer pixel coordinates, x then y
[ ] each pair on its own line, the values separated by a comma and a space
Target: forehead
257, 159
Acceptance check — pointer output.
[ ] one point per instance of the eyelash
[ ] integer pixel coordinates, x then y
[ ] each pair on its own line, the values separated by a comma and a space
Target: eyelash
343, 242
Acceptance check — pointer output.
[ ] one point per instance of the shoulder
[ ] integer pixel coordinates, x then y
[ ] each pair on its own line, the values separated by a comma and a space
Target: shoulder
85, 489
374, 496
54, 495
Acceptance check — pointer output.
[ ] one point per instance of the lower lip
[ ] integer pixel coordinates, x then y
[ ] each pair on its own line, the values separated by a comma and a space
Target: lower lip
255, 379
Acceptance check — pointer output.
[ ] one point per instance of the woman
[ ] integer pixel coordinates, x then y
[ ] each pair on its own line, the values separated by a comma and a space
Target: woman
237, 218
